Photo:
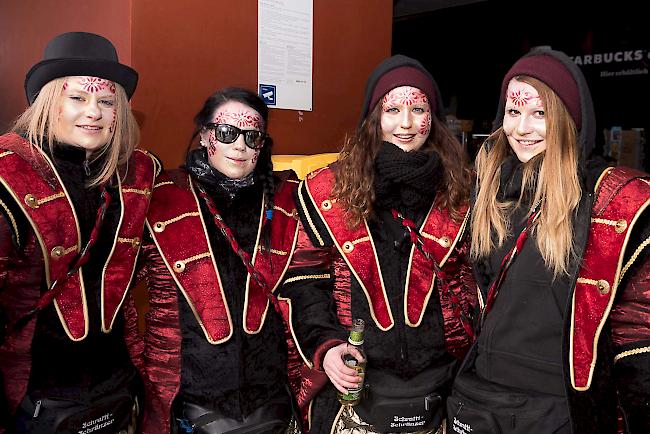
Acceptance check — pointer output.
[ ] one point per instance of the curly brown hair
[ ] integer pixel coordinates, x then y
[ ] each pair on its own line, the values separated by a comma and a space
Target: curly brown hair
355, 171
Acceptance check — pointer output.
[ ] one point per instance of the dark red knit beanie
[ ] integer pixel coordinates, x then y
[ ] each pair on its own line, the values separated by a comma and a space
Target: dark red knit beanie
403, 76
555, 75
395, 71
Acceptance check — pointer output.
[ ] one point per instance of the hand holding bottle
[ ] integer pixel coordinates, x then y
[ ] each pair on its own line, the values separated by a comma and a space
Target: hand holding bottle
342, 377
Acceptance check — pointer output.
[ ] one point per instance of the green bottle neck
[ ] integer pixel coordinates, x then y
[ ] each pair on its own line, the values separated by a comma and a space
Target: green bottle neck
356, 337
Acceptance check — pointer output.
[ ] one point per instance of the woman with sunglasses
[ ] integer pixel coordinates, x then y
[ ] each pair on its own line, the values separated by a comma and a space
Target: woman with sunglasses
222, 230
386, 223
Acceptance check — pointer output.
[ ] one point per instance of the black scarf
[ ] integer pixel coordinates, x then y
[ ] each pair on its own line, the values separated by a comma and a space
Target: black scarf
405, 180
198, 166
510, 182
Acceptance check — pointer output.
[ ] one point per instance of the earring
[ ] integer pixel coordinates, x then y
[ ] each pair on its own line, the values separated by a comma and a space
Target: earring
202, 143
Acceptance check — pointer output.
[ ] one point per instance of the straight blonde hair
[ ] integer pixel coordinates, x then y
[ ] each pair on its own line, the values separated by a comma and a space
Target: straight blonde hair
552, 175
38, 124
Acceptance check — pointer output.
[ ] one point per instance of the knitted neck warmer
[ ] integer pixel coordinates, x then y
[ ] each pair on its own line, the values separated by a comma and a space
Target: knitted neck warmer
405, 180
512, 173
198, 166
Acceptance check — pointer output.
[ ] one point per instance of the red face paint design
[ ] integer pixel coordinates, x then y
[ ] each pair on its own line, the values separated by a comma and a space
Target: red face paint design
256, 157
240, 118
425, 124
113, 122
404, 95
95, 84
521, 97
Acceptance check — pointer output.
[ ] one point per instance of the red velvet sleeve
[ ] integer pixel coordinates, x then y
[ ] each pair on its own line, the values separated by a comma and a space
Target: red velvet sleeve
162, 342
630, 323
5, 249
630, 317
459, 300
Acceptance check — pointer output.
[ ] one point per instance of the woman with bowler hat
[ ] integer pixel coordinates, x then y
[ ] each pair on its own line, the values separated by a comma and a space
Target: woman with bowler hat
73, 197
383, 241
561, 258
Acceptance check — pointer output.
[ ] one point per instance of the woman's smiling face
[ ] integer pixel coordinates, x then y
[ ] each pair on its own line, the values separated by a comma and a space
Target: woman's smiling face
524, 122
86, 112
406, 118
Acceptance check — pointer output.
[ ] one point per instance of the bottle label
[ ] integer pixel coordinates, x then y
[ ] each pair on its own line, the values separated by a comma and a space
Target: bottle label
355, 392
356, 338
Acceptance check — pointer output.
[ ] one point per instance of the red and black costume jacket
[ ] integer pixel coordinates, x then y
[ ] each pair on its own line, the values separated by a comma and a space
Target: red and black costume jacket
412, 321
607, 340
213, 337
39, 237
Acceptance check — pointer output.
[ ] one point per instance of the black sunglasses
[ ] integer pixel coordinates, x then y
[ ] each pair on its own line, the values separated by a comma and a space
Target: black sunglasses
228, 134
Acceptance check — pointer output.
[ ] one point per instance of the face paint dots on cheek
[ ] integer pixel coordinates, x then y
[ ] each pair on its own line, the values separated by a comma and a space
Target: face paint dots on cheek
256, 156
212, 149
113, 122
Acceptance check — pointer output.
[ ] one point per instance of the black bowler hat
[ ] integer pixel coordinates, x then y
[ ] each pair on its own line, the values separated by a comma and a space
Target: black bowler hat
79, 53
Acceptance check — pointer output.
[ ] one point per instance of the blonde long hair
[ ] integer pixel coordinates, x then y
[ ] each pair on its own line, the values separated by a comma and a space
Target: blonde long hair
38, 123
556, 186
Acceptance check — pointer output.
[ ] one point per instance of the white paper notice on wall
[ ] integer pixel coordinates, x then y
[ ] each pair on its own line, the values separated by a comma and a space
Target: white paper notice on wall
285, 53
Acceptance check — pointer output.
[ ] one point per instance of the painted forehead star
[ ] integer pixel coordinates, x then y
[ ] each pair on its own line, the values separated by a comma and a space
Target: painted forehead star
92, 84
405, 95
239, 118
521, 97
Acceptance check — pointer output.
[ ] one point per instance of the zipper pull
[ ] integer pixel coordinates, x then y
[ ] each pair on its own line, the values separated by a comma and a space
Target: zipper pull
86, 165
37, 409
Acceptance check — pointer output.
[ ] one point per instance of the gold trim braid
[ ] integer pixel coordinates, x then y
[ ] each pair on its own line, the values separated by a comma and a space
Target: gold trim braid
587, 281
274, 251
160, 184
306, 277
180, 217
634, 257
283, 211
50, 198
633, 352
144, 192
13, 221
195, 258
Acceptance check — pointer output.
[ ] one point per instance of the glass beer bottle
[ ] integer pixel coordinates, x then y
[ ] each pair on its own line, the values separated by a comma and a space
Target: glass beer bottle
353, 396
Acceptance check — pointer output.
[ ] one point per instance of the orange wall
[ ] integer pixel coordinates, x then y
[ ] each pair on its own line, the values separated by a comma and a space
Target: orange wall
184, 54
27, 25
